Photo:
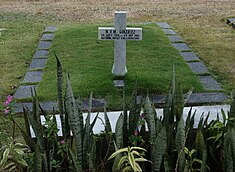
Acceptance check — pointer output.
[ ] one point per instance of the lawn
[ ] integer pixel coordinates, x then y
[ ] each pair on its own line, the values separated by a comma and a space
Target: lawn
89, 63
17, 46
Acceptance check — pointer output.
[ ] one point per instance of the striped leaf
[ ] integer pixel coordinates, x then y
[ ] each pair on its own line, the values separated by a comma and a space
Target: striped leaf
161, 147
204, 160
180, 144
134, 111
150, 114
74, 120
60, 93
87, 132
119, 131
108, 128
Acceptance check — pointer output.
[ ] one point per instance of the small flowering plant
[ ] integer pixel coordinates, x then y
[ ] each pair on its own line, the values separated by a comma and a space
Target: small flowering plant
7, 106
136, 137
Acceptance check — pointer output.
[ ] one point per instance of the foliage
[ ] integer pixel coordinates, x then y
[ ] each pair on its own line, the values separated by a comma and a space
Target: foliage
129, 159
171, 143
191, 159
13, 155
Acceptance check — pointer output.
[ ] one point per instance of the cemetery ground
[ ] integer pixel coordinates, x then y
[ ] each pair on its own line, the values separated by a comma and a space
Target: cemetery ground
202, 25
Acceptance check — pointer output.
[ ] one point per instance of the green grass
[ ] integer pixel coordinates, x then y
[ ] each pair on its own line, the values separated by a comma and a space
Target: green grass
17, 46
89, 63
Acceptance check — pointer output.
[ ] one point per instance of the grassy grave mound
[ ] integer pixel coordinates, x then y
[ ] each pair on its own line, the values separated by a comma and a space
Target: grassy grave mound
89, 63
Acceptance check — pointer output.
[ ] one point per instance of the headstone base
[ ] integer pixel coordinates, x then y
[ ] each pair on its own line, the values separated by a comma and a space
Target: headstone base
118, 83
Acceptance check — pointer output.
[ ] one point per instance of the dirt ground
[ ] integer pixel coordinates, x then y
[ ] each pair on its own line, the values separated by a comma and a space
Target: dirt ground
146, 10
200, 22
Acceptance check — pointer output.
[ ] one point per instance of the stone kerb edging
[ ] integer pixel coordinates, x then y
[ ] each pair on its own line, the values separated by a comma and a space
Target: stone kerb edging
193, 61
35, 71
231, 21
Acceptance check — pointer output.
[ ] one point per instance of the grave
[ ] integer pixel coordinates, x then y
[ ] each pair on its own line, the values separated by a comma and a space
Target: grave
119, 33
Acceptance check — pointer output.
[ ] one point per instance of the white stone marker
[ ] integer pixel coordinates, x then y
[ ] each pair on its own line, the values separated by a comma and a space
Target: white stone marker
120, 33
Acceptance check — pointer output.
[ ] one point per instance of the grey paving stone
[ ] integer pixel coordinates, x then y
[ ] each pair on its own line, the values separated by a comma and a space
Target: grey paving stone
163, 25
231, 20
216, 97
33, 76
118, 83
50, 29
209, 83
189, 56
181, 46
195, 98
24, 91
37, 64
44, 45
47, 106
41, 54
97, 104
169, 32
175, 38
198, 67
47, 37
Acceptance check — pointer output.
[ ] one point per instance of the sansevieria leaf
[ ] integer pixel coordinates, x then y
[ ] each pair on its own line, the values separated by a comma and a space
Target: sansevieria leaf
161, 147
180, 144
74, 120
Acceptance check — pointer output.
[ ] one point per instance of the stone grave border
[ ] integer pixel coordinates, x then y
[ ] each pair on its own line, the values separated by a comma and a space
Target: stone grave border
231, 22
34, 74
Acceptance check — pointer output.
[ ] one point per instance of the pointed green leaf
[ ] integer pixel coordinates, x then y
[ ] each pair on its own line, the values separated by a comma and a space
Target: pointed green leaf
161, 147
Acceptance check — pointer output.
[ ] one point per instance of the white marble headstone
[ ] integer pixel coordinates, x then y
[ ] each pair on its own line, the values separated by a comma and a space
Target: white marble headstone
119, 33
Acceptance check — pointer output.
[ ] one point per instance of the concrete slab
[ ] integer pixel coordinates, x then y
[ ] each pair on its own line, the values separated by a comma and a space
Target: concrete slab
41, 54
50, 29
211, 97
47, 37
198, 68
231, 20
214, 111
209, 83
163, 25
169, 32
44, 45
47, 106
118, 83
38, 64
181, 46
175, 38
97, 104
24, 91
33, 76
189, 56
194, 99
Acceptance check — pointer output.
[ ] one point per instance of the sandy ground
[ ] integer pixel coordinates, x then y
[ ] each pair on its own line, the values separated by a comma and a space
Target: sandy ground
98, 10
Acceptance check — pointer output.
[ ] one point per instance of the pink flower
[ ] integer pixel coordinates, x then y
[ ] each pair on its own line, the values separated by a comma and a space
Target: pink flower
62, 141
6, 111
136, 133
8, 100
